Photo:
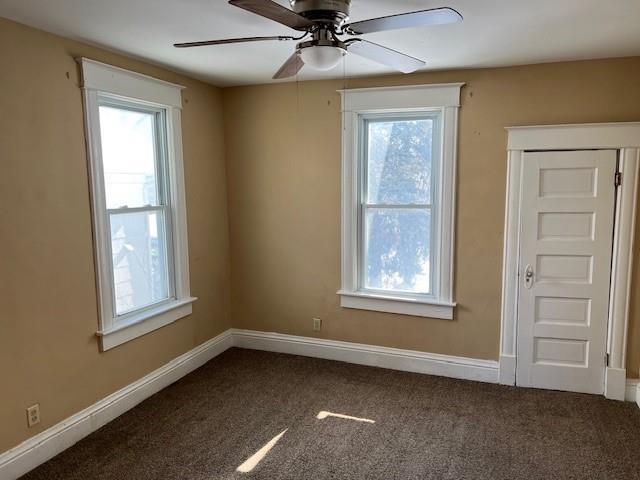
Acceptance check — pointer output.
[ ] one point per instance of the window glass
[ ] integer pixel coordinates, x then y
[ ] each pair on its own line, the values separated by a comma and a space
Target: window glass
139, 256
399, 161
397, 250
129, 157
137, 216
396, 205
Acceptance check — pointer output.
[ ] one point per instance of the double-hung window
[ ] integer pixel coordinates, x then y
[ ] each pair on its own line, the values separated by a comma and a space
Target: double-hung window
135, 162
398, 199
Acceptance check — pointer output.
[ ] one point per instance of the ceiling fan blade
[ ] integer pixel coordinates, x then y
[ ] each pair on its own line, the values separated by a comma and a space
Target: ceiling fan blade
290, 68
384, 55
422, 18
275, 12
229, 40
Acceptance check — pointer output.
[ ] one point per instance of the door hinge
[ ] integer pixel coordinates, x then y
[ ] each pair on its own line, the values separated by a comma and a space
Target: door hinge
606, 359
618, 179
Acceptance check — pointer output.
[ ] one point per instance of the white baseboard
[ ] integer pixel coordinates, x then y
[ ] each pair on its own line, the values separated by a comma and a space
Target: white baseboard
631, 392
614, 383
51, 442
507, 370
54, 440
392, 358
45, 445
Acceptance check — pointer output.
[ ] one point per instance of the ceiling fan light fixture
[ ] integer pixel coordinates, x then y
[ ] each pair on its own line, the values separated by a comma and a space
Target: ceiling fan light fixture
322, 57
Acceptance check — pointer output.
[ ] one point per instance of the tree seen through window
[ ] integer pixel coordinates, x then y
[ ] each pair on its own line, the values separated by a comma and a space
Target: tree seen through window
397, 211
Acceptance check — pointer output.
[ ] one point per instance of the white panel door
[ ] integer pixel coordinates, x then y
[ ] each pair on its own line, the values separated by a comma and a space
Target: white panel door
565, 269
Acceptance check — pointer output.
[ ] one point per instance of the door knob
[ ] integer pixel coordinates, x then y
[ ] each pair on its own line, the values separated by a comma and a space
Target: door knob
528, 276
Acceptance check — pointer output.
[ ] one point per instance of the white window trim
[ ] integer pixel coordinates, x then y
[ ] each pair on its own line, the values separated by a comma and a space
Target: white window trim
445, 99
101, 79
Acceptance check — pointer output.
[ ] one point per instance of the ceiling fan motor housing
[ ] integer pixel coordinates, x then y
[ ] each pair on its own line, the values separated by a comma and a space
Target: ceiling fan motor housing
322, 37
331, 11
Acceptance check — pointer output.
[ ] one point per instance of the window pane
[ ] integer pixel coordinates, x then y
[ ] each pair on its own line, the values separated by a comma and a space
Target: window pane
397, 250
399, 161
129, 157
138, 245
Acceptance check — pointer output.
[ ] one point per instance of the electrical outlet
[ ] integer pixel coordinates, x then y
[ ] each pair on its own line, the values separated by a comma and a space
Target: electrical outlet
317, 324
33, 415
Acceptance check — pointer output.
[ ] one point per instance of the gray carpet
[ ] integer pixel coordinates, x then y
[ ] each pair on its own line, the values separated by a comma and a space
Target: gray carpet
207, 424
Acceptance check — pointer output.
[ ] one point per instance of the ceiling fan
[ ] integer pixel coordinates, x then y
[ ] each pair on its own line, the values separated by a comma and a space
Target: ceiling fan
323, 22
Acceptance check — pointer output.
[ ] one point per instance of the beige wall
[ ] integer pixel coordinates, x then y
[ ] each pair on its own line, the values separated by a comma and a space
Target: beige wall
283, 166
48, 350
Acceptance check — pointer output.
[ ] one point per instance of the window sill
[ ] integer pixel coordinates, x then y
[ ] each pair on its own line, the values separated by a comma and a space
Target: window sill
144, 323
392, 304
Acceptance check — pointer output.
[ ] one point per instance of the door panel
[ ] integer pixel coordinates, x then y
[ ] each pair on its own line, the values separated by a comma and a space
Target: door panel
561, 182
570, 226
565, 268
563, 311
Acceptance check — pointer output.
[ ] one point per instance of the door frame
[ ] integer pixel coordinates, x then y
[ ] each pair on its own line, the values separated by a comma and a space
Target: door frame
624, 137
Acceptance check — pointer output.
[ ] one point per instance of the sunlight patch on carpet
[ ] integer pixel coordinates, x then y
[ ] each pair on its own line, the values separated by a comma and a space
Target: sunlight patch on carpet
322, 415
254, 459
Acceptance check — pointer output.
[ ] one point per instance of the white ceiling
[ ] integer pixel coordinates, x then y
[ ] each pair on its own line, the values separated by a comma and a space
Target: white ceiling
494, 33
